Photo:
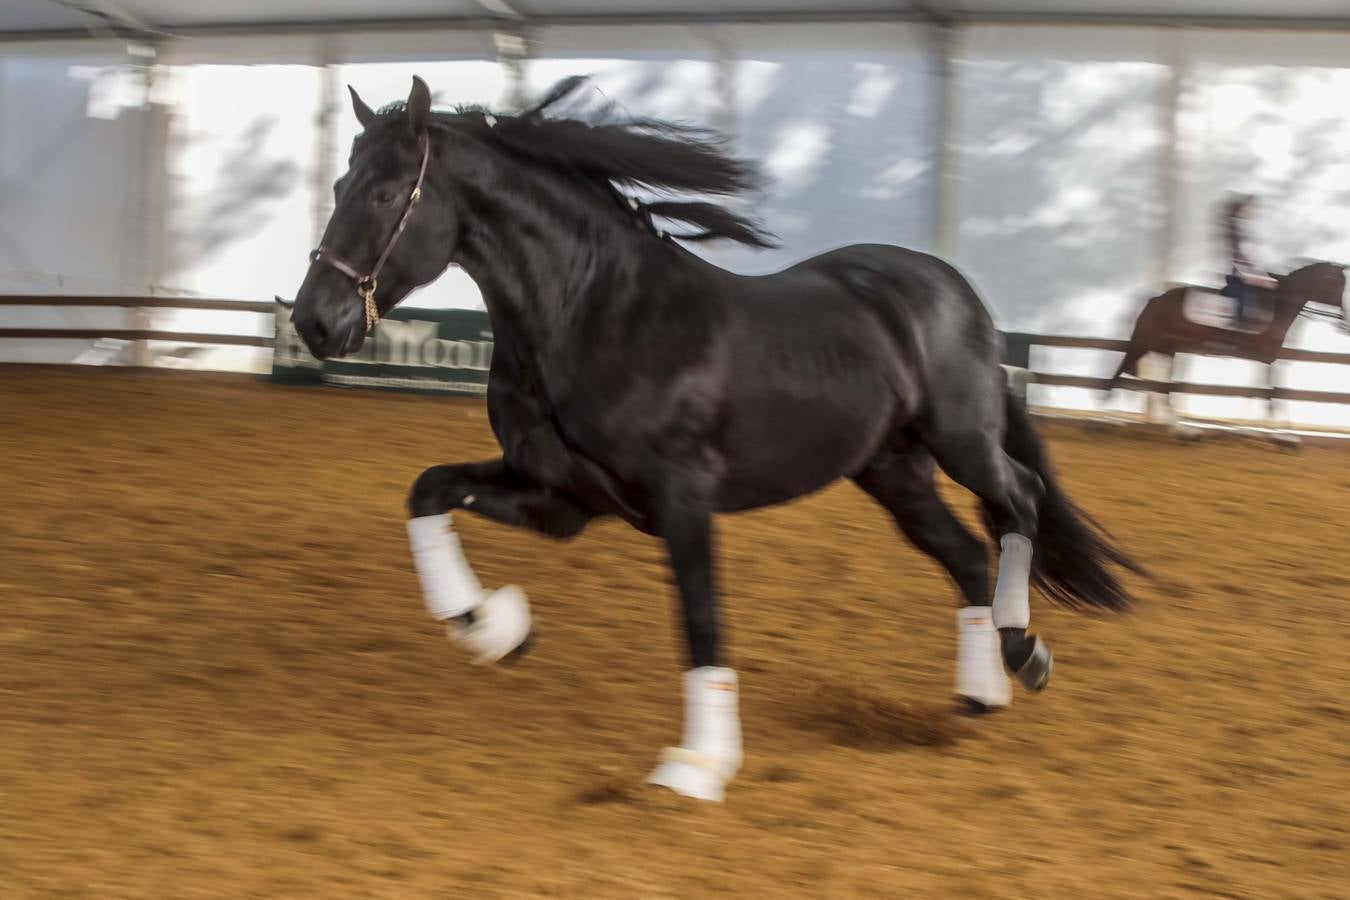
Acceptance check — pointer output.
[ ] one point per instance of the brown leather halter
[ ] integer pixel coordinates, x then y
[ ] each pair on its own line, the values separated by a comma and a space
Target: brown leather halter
366, 284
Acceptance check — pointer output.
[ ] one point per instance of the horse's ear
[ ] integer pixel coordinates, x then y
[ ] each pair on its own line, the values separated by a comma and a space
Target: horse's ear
419, 106
364, 114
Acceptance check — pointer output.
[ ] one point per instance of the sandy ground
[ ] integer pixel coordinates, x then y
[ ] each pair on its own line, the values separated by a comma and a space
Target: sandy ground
217, 679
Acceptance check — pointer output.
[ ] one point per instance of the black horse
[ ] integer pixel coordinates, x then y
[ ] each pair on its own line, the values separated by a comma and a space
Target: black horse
632, 378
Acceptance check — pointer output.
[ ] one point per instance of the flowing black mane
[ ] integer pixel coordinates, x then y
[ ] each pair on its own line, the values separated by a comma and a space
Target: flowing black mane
614, 152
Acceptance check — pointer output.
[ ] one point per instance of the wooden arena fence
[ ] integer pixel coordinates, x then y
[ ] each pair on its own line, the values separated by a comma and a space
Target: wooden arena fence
1017, 353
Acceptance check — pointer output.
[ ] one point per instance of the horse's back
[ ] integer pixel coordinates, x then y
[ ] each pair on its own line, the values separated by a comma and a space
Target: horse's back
942, 327
835, 354
901, 264
928, 287
926, 303
915, 298
814, 380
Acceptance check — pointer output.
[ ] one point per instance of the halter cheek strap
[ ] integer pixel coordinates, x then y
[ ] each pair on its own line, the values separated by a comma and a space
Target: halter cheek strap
366, 284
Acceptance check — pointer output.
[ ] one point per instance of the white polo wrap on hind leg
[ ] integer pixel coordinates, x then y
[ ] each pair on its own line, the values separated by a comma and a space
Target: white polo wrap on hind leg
501, 621
710, 753
979, 658
1012, 603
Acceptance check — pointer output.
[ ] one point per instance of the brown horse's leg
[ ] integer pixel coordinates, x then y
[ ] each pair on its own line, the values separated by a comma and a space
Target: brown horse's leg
1171, 380
1129, 365
1176, 424
1272, 379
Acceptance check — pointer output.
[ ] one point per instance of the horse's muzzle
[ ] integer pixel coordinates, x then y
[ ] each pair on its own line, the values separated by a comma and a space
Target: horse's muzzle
330, 336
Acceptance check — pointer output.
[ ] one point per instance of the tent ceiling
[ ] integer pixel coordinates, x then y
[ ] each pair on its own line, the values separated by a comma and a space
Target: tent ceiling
54, 17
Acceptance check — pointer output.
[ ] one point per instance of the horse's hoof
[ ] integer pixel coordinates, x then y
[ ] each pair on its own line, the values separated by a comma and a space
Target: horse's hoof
1286, 440
1035, 672
972, 707
691, 774
498, 630
519, 654
982, 696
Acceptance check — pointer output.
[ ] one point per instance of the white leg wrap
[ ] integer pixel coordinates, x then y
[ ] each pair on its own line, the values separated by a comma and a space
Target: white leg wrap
979, 659
1012, 603
501, 621
710, 753
449, 586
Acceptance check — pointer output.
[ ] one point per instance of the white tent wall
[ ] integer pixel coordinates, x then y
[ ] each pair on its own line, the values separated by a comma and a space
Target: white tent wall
1085, 160
841, 119
241, 193
1266, 113
1061, 162
838, 116
1060, 165
72, 217
70, 132
658, 71
672, 72
1172, 122
289, 143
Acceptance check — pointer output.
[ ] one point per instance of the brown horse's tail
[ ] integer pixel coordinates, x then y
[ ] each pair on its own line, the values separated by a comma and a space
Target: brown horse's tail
1073, 553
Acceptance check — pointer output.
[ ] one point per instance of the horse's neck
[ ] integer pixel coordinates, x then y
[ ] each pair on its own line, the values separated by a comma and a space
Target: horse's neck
536, 268
1289, 302
1317, 290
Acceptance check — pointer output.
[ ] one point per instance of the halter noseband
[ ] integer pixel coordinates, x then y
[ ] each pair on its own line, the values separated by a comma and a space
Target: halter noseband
366, 284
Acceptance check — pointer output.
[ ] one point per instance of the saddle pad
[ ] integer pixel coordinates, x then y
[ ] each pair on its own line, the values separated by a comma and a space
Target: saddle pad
1216, 311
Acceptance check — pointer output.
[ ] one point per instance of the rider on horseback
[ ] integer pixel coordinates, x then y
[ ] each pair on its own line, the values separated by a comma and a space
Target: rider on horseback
1245, 279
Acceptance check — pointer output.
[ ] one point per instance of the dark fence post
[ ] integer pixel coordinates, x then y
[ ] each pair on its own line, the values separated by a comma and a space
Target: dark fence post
1017, 362
1017, 349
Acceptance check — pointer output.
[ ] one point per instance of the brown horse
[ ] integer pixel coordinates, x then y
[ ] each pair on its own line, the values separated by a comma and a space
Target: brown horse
1168, 325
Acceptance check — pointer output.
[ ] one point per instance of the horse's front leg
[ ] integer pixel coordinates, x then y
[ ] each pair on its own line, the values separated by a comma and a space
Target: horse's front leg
1273, 409
491, 626
710, 752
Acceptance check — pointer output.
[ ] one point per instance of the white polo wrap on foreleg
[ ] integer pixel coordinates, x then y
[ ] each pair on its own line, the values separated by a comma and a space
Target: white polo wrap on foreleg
1012, 603
712, 722
710, 752
449, 586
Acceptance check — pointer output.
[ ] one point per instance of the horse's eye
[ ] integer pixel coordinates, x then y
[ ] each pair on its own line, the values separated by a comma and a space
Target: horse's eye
384, 198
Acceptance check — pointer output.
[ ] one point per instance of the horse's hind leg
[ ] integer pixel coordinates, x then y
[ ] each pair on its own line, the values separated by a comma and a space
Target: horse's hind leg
492, 626
1129, 365
900, 478
966, 438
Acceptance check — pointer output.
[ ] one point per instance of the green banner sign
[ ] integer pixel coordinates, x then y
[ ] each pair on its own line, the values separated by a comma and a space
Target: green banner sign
441, 350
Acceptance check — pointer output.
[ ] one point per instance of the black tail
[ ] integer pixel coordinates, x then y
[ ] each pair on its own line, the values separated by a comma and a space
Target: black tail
1072, 551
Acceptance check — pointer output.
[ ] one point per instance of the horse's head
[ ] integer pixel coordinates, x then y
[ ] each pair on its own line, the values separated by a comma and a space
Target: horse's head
1322, 283
393, 229
1318, 282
